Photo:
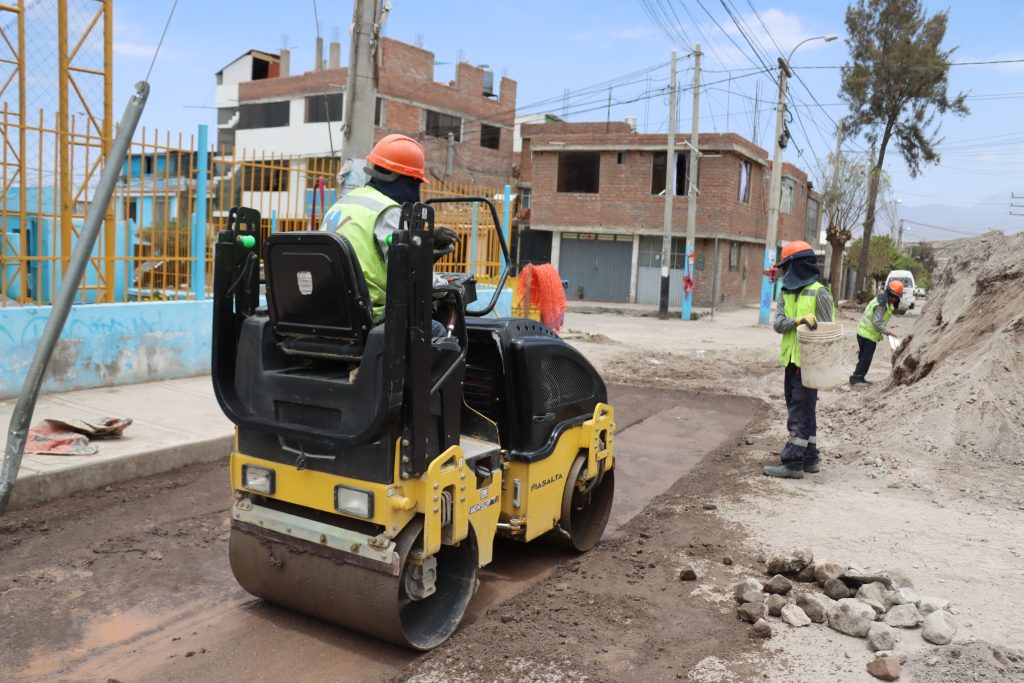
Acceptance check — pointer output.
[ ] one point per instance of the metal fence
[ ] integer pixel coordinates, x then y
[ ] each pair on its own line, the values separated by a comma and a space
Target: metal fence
152, 246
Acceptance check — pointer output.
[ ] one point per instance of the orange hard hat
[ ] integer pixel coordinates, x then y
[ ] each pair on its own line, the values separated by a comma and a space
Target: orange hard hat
795, 249
894, 288
401, 154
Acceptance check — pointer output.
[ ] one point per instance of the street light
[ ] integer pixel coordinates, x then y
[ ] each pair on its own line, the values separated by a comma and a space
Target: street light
775, 191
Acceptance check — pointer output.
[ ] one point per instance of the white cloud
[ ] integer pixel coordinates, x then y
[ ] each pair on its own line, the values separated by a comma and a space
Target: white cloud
786, 29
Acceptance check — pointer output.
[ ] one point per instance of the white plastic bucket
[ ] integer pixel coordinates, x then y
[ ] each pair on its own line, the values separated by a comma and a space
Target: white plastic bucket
821, 356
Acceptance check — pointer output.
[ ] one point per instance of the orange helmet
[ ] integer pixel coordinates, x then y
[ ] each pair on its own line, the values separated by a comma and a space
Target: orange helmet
401, 154
894, 288
793, 250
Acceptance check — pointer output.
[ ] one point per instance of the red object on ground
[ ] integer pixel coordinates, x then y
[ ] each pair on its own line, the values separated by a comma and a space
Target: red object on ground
57, 437
541, 287
49, 438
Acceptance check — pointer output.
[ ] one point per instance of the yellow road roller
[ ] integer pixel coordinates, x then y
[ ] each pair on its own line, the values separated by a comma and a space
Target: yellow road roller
374, 464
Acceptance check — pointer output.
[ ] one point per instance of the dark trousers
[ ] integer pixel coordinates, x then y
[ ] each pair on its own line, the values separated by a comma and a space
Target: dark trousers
801, 421
866, 351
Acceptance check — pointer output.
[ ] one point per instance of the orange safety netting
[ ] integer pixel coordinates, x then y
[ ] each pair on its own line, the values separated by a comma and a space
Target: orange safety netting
540, 287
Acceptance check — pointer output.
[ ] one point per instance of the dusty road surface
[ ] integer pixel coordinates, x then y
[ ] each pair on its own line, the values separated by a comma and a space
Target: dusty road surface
921, 475
131, 583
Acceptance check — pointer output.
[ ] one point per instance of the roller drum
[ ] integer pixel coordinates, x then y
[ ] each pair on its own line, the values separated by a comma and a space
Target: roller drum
358, 594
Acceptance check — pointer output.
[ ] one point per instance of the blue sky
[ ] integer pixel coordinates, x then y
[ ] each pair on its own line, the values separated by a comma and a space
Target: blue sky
548, 47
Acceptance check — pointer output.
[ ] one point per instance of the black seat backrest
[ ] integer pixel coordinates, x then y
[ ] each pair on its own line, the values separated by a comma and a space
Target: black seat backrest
316, 294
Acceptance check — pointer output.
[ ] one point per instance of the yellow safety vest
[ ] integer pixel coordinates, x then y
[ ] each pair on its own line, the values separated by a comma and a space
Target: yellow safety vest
866, 329
355, 216
797, 306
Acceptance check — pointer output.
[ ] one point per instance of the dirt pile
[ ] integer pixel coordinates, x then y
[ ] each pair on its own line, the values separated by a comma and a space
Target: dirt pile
955, 386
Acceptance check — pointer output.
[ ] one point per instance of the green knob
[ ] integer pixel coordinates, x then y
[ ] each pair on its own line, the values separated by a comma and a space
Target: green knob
247, 241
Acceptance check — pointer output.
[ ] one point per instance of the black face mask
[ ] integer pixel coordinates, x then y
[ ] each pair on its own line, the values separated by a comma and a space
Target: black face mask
800, 273
402, 189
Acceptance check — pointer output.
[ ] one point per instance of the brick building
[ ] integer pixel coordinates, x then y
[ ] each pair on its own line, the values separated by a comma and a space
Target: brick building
597, 190
263, 109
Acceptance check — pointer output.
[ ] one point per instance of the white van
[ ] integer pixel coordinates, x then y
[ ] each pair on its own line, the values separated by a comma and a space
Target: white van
907, 278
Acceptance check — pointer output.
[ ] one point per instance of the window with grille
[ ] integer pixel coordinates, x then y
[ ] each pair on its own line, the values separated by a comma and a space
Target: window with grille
735, 249
439, 125
263, 115
327, 107
579, 172
649, 252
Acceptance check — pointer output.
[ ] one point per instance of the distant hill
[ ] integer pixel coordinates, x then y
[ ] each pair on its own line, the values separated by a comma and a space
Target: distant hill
992, 213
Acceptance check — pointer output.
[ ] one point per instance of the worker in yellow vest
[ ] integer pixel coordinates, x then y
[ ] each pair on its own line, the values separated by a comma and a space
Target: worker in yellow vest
368, 216
803, 300
873, 327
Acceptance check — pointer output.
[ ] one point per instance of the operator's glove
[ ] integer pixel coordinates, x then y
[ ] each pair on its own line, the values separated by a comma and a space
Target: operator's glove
445, 238
808, 320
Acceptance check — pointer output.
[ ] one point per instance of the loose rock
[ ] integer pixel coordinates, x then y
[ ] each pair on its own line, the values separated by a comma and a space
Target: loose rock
881, 636
895, 654
823, 571
890, 578
836, 589
927, 605
775, 605
851, 617
900, 596
727, 560
939, 627
687, 573
710, 506
791, 562
806, 574
794, 616
903, 616
814, 606
761, 629
885, 668
877, 606
750, 612
745, 586
752, 596
779, 585
874, 592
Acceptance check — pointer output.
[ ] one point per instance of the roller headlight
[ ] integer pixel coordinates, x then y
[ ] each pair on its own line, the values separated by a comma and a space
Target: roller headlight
258, 479
353, 501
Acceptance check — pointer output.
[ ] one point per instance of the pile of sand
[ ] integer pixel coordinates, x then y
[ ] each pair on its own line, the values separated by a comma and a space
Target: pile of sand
956, 394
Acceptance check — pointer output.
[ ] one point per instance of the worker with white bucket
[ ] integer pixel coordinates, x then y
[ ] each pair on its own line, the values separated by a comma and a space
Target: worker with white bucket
803, 300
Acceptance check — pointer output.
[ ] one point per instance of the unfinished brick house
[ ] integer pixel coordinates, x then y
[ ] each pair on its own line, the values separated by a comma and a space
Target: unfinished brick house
597, 190
262, 108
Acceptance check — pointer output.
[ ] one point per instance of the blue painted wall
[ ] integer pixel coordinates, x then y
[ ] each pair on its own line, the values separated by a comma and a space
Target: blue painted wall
114, 344
108, 344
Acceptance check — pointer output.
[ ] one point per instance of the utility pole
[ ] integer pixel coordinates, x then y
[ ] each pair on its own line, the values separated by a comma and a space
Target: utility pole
899, 238
774, 194
837, 284
360, 90
691, 195
670, 186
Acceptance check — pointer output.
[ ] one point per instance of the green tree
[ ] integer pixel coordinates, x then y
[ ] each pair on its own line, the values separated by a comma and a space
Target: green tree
895, 86
880, 259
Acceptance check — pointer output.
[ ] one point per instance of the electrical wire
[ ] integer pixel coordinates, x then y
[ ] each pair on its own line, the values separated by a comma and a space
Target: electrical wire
160, 43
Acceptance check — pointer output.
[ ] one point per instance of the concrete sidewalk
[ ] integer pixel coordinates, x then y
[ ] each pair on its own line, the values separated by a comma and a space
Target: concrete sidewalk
175, 423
